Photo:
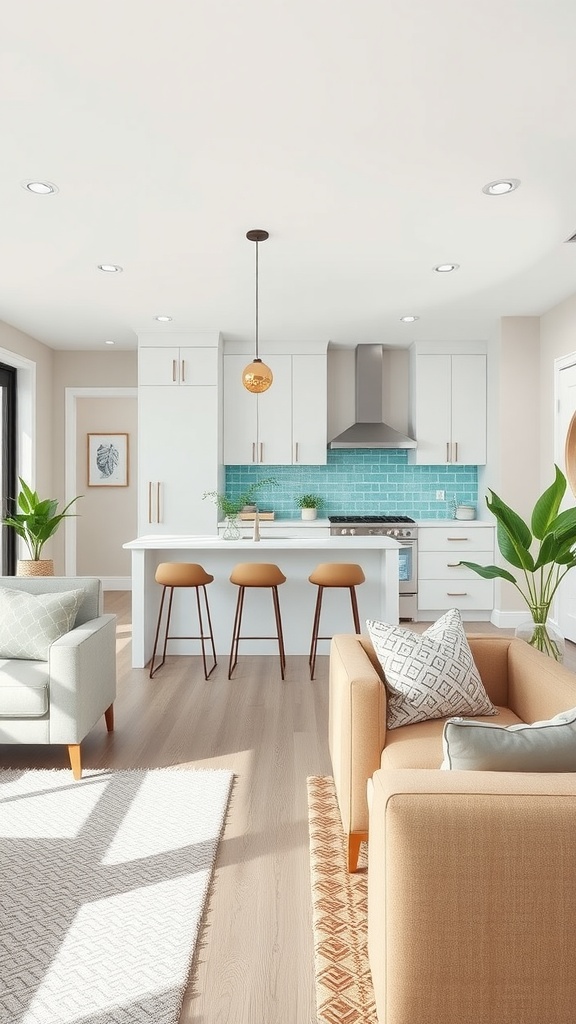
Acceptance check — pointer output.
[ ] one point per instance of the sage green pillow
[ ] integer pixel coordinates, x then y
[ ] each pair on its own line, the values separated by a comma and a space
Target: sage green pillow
548, 746
30, 623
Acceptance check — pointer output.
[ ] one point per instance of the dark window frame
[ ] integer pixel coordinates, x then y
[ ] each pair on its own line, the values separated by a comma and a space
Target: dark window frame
8, 382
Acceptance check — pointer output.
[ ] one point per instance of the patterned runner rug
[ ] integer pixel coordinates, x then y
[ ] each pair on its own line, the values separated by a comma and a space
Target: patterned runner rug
103, 883
344, 993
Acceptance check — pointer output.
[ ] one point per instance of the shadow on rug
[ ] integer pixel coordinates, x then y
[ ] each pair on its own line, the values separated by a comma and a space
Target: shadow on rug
103, 883
344, 993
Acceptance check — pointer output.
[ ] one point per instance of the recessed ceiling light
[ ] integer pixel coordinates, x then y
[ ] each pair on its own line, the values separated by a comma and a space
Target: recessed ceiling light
501, 187
163, 319
110, 342
446, 268
110, 268
408, 319
40, 188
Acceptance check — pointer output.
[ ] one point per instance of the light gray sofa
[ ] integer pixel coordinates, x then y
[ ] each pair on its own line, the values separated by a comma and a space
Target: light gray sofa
61, 699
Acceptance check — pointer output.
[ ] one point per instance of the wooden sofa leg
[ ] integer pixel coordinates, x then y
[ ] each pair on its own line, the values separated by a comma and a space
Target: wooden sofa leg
109, 716
75, 760
354, 840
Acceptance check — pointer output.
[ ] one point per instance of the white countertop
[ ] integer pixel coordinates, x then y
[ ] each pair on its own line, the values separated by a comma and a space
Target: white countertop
183, 542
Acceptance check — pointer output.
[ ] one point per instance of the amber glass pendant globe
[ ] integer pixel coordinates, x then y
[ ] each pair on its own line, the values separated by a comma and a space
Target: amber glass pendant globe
257, 377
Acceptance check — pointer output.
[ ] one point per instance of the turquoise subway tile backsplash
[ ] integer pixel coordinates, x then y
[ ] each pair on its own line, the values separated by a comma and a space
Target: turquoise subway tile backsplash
370, 481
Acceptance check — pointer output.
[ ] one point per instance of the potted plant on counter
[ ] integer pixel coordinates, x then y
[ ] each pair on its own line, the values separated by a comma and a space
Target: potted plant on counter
37, 520
231, 507
309, 504
541, 572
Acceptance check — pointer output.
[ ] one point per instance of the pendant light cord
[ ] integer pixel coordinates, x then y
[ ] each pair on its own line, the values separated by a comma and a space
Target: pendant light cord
256, 300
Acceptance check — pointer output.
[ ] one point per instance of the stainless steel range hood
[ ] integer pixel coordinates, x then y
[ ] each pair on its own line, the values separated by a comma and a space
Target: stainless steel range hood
369, 430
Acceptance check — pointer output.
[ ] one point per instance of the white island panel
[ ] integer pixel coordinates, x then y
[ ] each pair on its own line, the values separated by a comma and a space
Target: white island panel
296, 557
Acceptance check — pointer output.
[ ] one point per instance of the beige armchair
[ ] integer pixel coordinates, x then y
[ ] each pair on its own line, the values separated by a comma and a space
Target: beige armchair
60, 700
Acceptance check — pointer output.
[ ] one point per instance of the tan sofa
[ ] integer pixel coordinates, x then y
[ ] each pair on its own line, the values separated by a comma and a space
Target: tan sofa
472, 875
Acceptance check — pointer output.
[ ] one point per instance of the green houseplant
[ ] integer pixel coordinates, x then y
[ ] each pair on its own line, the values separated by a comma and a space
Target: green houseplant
541, 570
231, 507
37, 520
309, 504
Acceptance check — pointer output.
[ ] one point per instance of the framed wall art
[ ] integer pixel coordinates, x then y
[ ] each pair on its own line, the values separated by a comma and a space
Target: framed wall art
107, 460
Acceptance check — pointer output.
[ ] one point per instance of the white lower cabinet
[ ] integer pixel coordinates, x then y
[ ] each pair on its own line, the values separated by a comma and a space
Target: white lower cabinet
442, 582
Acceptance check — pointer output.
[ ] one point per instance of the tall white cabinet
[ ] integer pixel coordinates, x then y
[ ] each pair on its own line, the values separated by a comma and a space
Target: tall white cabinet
284, 426
448, 405
179, 430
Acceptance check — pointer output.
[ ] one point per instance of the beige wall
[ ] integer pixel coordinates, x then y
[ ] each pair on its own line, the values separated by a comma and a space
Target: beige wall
107, 515
557, 338
88, 370
20, 344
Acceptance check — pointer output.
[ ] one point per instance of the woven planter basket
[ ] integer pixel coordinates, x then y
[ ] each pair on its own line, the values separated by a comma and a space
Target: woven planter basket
35, 567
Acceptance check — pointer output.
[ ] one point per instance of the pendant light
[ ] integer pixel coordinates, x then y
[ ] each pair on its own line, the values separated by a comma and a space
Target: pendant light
257, 377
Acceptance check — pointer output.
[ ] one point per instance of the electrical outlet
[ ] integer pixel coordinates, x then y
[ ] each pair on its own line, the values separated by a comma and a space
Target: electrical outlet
440, 495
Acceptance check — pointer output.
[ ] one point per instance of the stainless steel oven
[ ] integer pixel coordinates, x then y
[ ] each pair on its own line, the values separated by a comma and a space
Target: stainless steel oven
401, 528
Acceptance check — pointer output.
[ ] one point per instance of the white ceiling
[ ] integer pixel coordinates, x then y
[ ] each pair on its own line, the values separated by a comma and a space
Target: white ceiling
359, 133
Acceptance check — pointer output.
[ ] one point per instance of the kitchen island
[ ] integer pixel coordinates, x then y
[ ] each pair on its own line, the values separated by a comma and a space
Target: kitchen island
296, 557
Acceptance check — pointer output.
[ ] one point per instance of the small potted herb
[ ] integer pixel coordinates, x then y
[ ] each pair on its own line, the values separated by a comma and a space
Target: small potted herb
309, 504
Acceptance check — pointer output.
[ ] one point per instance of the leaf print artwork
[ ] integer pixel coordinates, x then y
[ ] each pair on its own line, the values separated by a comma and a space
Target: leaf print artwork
107, 458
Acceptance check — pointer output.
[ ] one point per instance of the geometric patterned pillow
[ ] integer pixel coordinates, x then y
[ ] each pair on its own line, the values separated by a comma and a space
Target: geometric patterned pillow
430, 674
30, 623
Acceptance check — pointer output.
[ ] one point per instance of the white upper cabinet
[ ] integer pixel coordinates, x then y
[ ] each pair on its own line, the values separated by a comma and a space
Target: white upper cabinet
183, 366
448, 408
283, 426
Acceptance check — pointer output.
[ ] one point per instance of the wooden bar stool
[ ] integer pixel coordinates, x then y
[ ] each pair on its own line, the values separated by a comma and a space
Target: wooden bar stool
256, 574
333, 574
183, 574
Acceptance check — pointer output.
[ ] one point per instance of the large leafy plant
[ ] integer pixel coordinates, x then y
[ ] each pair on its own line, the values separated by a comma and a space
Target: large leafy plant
544, 552
37, 519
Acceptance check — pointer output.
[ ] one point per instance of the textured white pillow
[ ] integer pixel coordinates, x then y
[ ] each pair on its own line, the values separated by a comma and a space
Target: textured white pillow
30, 623
548, 746
430, 674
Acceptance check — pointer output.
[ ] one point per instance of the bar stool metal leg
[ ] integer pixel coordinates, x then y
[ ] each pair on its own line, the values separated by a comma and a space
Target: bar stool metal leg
210, 635
152, 669
279, 630
174, 575
236, 632
315, 631
354, 601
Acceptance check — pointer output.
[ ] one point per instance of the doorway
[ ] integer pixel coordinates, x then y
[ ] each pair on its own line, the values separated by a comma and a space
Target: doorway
565, 447
7, 466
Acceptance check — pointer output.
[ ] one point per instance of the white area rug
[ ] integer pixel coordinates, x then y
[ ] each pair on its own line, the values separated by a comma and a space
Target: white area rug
102, 888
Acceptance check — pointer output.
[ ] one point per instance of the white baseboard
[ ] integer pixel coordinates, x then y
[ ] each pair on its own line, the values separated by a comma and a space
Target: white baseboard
116, 582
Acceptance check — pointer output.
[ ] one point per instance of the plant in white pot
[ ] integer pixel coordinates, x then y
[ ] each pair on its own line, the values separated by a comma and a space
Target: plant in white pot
541, 571
309, 504
37, 521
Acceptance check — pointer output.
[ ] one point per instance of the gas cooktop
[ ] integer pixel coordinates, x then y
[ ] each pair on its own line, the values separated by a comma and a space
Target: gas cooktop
370, 519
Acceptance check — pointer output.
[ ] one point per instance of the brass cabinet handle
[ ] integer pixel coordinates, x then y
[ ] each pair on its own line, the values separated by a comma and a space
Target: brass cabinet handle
183, 371
447, 451
455, 451
296, 452
253, 451
158, 516
457, 538
261, 451
463, 593
452, 565
173, 371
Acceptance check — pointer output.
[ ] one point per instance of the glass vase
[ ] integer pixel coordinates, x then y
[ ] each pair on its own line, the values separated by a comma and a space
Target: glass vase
232, 529
539, 632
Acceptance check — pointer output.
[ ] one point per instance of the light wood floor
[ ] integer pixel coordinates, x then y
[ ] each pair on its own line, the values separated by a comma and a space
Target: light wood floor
255, 956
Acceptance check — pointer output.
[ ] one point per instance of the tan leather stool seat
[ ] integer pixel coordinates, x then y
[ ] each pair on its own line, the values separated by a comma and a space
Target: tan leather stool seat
337, 574
256, 574
171, 575
333, 574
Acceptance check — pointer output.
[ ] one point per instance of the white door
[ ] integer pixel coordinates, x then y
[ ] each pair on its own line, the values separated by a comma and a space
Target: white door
433, 409
468, 430
240, 415
565, 605
309, 410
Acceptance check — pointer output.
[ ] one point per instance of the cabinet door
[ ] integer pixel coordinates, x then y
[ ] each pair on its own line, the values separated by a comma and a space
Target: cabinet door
469, 409
433, 409
275, 415
177, 456
240, 415
198, 366
309, 410
158, 366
